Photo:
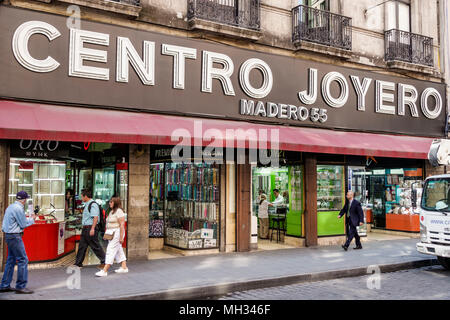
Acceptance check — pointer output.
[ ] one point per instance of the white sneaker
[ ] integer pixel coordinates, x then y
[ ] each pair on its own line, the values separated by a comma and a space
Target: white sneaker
101, 273
122, 270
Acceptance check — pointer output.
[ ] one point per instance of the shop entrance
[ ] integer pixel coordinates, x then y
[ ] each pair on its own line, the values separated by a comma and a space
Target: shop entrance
184, 206
278, 206
385, 193
54, 180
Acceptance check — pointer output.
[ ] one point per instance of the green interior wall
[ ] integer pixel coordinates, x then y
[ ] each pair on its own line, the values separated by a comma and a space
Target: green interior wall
294, 217
328, 223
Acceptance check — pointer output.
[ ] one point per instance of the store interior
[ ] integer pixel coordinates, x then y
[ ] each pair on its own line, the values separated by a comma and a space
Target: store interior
54, 184
184, 206
386, 195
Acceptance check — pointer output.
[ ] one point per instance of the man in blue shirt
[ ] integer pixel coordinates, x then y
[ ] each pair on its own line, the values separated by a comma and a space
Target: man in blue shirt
89, 233
14, 222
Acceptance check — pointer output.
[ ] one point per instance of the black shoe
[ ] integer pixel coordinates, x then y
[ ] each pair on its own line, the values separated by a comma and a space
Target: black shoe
345, 248
24, 291
7, 289
357, 248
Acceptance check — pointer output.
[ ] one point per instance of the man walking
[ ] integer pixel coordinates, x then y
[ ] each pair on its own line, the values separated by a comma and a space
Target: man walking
89, 233
13, 225
355, 217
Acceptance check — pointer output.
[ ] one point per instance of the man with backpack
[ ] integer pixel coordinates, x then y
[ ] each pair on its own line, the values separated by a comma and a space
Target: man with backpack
92, 218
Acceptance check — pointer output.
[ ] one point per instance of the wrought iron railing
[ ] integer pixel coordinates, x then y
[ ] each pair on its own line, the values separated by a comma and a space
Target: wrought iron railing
136, 3
409, 47
238, 13
323, 27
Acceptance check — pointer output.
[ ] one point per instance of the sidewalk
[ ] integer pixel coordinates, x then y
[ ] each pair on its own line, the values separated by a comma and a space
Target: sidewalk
202, 276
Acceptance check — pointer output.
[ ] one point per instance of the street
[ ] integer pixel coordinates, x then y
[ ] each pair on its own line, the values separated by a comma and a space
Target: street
427, 283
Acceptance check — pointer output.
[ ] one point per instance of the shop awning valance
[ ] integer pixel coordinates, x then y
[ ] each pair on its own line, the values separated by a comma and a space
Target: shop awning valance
20, 120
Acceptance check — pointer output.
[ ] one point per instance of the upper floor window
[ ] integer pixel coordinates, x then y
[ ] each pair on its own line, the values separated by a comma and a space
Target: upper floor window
398, 15
316, 4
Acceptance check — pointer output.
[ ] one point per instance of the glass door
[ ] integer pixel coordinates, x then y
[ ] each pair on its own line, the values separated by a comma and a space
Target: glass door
122, 188
103, 185
378, 198
84, 180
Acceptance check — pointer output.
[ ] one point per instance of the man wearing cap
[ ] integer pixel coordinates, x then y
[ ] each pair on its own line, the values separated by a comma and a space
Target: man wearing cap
14, 222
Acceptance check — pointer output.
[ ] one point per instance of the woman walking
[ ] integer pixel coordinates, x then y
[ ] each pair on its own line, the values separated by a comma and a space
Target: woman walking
115, 234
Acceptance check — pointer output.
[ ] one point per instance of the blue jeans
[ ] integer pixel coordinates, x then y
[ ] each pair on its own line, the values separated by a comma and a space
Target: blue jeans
16, 254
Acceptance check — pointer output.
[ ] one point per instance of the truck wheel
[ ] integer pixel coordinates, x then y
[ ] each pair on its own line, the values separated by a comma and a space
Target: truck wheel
445, 262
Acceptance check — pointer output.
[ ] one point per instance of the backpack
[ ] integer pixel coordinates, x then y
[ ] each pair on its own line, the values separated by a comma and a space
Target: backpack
101, 223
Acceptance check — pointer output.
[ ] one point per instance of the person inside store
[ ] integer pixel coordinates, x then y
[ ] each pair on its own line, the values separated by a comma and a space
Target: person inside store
261, 192
263, 217
14, 222
115, 234
279, 200
354, 218
89, 233
69, 200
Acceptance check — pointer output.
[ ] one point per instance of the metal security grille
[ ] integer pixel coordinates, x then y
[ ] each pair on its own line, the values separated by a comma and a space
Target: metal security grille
320, 26
239, 13
136, 3
409, 47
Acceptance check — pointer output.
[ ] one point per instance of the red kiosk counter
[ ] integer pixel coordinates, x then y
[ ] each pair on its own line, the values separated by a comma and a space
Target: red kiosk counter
46, 241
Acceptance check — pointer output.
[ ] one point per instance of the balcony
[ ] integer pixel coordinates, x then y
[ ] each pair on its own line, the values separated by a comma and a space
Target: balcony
321, 31
126, 7
236, 18
403, 48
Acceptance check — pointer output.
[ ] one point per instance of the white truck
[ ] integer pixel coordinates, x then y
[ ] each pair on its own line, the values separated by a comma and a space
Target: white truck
435, 207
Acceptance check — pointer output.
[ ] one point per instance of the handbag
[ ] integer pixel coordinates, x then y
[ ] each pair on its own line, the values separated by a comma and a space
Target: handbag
108, 235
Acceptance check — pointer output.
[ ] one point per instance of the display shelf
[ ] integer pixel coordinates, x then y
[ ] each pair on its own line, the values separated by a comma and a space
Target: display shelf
191, 203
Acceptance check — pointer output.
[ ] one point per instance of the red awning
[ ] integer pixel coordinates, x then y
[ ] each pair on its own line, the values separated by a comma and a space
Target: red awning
20, 120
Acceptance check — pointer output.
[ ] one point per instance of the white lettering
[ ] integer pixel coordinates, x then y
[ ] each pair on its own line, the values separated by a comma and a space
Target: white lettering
311, 97
244, 78
78, 53
410, 100
20, 41
361, 91
127, 54
223, 75
382, 96
326, 89
431, 114
180, 54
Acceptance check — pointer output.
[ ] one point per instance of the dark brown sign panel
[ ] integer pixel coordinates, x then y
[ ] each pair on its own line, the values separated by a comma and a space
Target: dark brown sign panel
42, 59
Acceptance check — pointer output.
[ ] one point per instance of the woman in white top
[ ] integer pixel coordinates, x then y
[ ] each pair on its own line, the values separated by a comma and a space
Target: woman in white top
263, 216
115, 226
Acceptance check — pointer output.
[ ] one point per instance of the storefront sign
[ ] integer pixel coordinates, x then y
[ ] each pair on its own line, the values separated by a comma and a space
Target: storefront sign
111, 66
169, 154
39, 149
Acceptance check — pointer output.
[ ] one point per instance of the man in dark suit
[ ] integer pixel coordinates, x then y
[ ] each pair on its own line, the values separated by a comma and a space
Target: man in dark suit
354, 217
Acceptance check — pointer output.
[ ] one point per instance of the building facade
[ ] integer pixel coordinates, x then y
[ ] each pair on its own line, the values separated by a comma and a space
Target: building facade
95, 94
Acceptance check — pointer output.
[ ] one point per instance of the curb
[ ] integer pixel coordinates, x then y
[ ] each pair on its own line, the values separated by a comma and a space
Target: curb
212, 291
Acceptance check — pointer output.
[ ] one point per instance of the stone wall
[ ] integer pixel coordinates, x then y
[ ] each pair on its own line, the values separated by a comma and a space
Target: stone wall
138, 202
431, 171
4, 155
368, 26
